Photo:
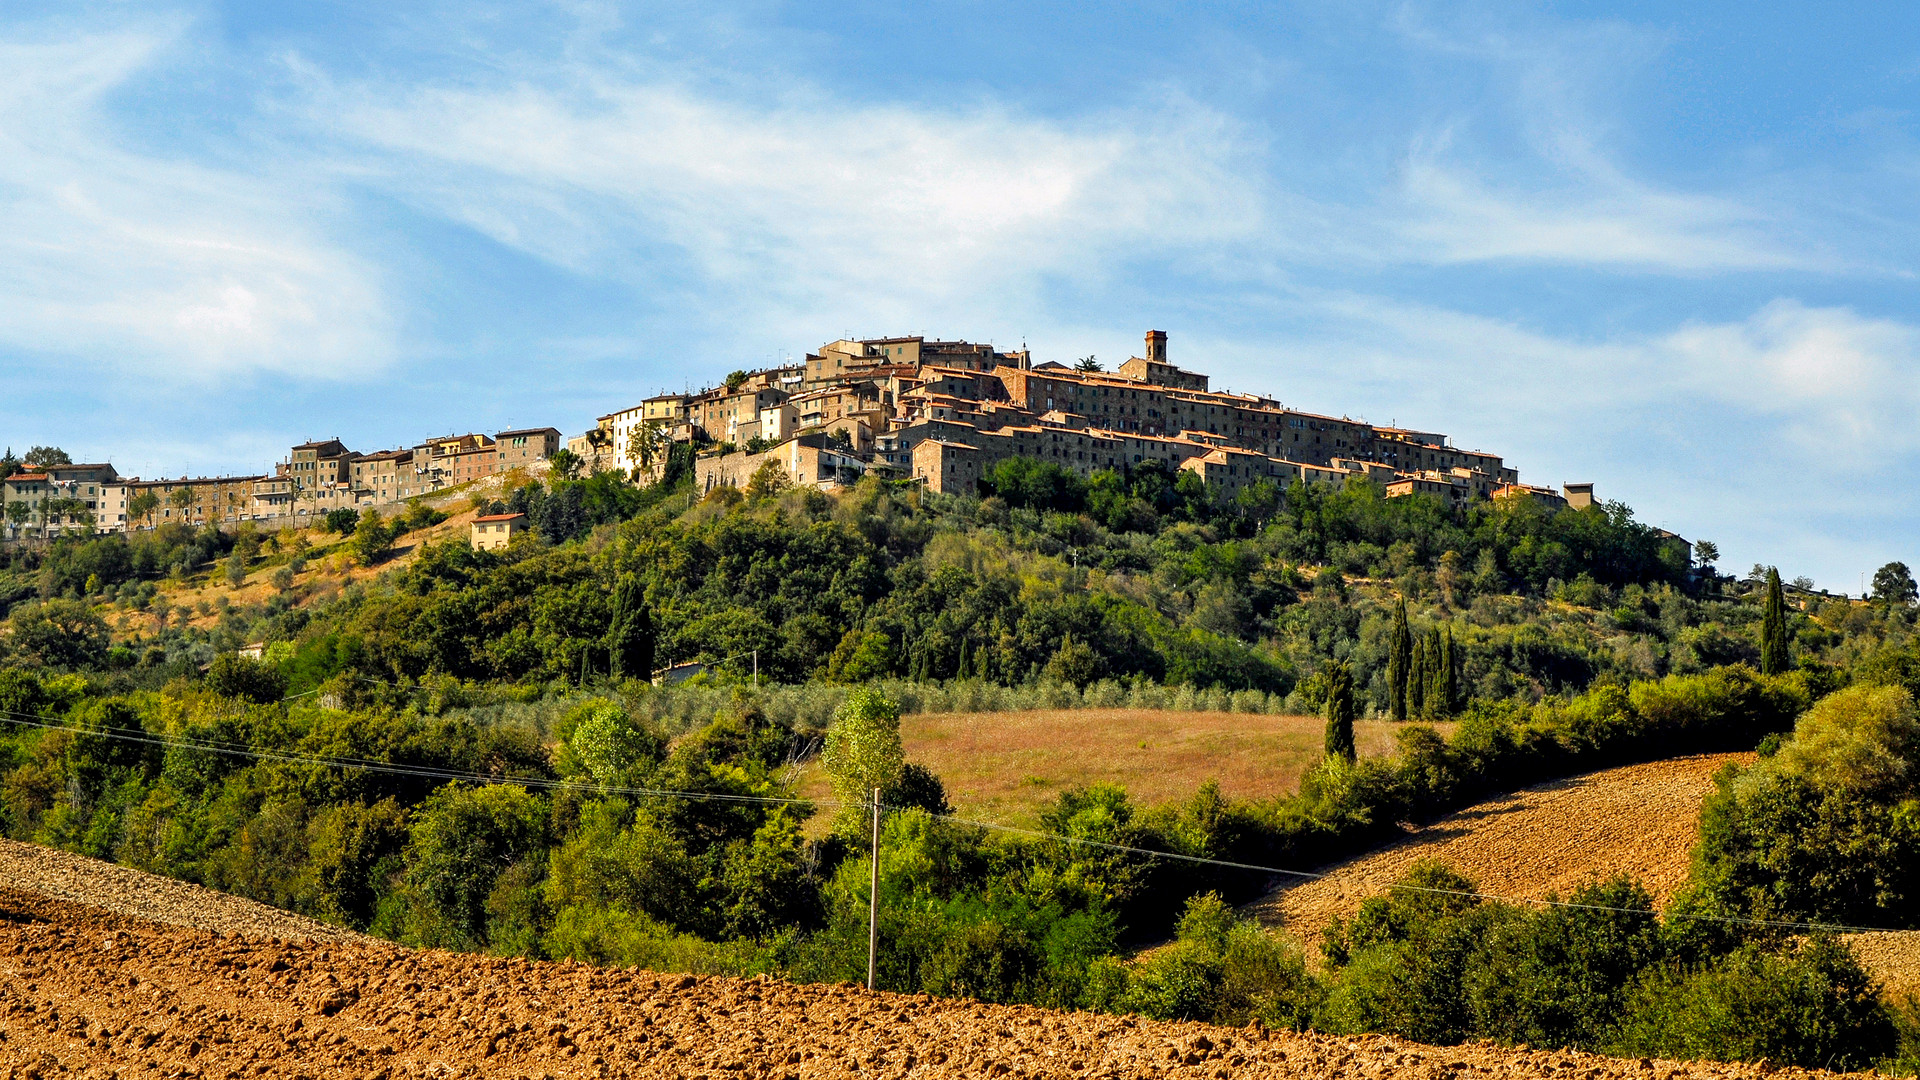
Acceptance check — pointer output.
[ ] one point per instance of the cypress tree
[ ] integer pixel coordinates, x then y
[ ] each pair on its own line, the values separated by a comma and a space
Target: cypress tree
1340, 711
1399, 660
1417, 679
960, 672
630, 638
1448, 682
1434, 701
1775, 657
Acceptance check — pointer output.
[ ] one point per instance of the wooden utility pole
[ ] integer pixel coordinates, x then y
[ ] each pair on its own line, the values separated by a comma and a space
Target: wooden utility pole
873, 895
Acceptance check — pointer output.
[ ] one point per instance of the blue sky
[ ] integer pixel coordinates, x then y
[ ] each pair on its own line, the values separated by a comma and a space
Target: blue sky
1673, 254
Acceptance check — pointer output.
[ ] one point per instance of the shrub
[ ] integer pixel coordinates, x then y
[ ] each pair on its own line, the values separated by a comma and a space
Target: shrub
1812, 1006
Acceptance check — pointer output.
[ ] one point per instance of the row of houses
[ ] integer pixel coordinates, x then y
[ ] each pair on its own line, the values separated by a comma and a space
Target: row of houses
315, 477
944, 413
939, 413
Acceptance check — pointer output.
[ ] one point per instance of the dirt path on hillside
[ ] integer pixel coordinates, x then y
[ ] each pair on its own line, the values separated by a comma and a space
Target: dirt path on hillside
1640, 820
62, 875
84, 993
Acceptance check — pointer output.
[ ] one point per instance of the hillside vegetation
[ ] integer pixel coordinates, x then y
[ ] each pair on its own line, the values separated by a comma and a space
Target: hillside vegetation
463, 751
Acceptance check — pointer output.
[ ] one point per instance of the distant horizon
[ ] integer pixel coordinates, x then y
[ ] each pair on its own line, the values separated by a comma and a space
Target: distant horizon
1669, 252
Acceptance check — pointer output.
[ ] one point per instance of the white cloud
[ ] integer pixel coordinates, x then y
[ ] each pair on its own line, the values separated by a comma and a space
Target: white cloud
143, 262
811, 201
1838, 379
1593, 218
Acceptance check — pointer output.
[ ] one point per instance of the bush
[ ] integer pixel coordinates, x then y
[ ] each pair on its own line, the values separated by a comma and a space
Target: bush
341, 521
1828, 828
462, 839
245, 679
1812, 1006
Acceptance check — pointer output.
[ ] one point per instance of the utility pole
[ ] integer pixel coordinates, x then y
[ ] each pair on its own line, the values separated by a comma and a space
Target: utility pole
873, 894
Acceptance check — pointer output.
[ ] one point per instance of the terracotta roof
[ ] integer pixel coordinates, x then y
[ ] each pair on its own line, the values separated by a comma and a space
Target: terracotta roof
499, 517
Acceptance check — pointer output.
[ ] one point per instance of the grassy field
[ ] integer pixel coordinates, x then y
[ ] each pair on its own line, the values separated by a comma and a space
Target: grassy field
1005, 766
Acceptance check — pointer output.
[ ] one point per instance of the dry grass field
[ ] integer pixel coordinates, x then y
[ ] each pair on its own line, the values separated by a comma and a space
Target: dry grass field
1005, 766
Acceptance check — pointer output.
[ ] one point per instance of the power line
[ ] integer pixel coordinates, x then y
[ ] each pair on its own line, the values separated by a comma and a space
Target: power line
234, 749
1314, 876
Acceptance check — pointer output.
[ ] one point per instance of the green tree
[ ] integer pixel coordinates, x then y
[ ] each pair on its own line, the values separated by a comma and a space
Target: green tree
630, 636
1893, 585
644, 445
1417, 678
342, 520
734, 379
1775, 658
43, 456
180, 499
463, 839
863, 752
1340, 711
235, 676
372, 538
565, 464
1088, 363
142, 506
769, 479
1447, 680
1705, 554
61, 633
237, 567
18, 513
1399, 660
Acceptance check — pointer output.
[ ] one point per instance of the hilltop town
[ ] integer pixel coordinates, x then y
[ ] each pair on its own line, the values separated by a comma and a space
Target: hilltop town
940, 413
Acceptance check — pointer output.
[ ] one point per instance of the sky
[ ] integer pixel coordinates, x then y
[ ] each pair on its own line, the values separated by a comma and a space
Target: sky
1667, 249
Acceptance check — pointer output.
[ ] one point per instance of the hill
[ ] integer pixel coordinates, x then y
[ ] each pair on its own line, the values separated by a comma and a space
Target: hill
1638, 820
92, 993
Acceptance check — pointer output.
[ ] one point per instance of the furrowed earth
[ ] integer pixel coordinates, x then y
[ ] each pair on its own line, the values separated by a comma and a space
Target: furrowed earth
90, 992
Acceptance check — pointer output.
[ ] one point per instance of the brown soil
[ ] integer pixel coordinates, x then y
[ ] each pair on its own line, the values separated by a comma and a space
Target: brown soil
1005, 766
125, 891
1893, 956
89, 993
1640, 820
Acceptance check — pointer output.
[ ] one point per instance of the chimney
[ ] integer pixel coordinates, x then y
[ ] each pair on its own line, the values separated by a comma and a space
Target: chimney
1156, 346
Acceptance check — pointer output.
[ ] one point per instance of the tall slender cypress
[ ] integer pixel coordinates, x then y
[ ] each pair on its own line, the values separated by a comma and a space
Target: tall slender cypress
1447, 681
1417, 679
1432, 704
630, 638
1340, 711
1775, 657
1399, 660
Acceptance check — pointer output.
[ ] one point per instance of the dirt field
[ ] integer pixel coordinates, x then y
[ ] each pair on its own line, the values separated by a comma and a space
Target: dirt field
63, 876
1639, 820
92, 994
1005, 766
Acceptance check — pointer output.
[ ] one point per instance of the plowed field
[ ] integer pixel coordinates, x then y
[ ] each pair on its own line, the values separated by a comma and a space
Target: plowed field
1639, 820
87, 993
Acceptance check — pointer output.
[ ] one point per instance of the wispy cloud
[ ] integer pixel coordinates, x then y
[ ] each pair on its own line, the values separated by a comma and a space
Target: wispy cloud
169, 267
809, 200
1584, 217
1533, 173
1837, 380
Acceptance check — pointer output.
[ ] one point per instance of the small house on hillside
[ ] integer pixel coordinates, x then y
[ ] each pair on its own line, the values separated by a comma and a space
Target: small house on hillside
493, 531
